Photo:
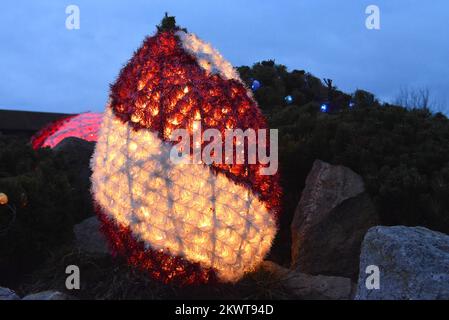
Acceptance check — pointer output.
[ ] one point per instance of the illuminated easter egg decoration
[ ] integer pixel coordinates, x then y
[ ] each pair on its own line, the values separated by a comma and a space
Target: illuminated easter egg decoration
186, 223
84, 126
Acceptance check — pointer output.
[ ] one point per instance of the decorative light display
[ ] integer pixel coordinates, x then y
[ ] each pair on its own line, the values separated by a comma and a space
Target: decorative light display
324, 107
3, 199
255, 85
183, 223
84, 126
351, 104
288, 99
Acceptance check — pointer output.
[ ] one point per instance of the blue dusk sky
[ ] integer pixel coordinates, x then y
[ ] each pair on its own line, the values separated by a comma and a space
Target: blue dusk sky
46, 67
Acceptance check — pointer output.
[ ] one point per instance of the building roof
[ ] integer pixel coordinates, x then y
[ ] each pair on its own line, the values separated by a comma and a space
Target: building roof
12, 120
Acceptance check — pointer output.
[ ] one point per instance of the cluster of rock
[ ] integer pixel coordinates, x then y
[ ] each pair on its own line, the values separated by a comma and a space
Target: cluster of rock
336, 242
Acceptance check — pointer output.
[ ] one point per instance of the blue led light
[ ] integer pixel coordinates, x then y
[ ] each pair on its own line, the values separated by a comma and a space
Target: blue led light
255, 85
323, 107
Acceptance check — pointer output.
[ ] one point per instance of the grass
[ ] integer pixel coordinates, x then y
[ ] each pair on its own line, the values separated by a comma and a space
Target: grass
111, 279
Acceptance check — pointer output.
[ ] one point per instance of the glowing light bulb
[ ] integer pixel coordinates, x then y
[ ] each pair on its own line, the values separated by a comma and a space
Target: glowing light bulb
3, 199
135, 118
288, 99
255, 85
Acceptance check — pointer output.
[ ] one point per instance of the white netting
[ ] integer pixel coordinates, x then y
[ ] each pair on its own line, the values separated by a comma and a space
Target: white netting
186, 208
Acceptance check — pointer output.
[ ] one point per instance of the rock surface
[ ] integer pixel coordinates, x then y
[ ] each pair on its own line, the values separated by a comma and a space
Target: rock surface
8, 294
413, 264
276, 270
89, 238
48, 295
307, 287
330, 222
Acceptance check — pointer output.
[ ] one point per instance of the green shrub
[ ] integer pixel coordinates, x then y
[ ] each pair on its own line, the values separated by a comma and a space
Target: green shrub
38, 187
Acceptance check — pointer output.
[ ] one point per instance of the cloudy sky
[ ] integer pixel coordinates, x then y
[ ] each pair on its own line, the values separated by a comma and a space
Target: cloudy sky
45, 67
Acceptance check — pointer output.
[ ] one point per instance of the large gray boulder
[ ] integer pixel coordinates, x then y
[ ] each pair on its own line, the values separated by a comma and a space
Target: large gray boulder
48, 295
8, 294
413, 264
330, 222
89, 238
302, 286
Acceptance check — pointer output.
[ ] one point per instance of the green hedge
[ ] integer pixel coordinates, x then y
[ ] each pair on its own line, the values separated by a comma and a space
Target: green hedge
46, 205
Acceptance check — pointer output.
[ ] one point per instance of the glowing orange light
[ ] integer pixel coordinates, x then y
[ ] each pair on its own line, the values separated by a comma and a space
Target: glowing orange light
181, 222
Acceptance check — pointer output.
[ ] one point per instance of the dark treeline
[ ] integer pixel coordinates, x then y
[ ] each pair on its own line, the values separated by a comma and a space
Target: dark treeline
402, 153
